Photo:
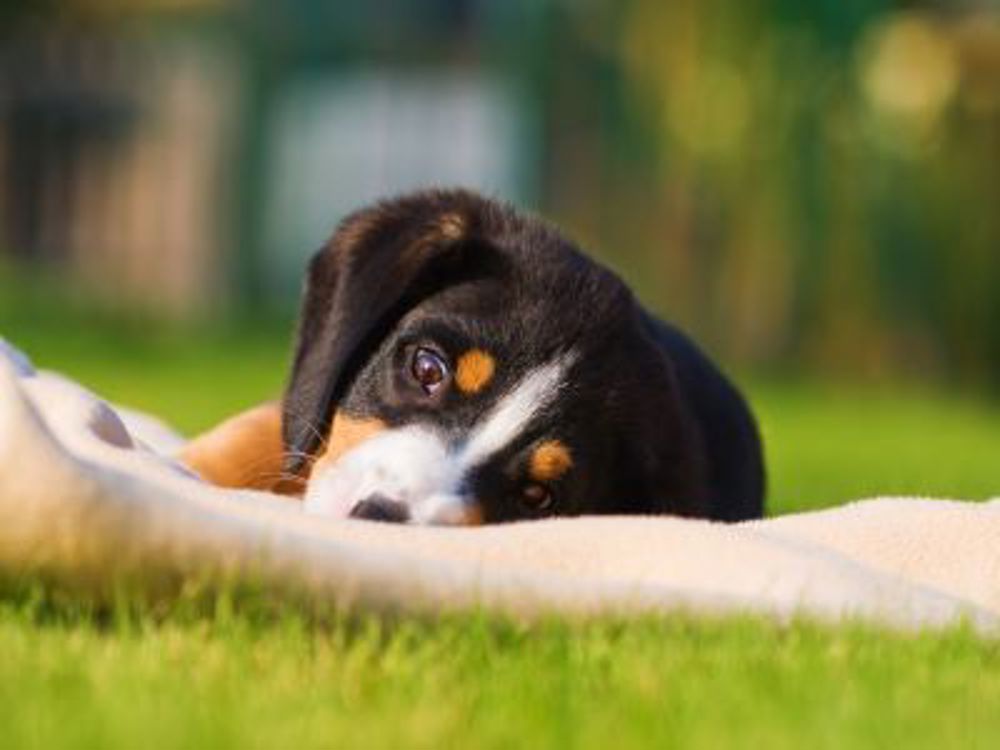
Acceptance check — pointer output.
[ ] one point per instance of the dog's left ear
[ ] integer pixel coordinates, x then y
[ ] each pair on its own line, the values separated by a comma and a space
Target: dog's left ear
662, 455
379, 263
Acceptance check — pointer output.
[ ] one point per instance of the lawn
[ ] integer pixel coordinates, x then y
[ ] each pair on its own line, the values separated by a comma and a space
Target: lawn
242, 677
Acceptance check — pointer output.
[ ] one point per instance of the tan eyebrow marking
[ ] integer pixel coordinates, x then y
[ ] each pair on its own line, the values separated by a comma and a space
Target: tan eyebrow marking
474, 371
451, 226
549, 461
446, 228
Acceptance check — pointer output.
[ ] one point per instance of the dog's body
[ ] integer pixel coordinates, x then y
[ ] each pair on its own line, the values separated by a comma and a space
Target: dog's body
459, 362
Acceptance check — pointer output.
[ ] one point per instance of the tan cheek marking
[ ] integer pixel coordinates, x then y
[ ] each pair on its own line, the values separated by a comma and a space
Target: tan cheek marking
551, 460
475, 371
346, 432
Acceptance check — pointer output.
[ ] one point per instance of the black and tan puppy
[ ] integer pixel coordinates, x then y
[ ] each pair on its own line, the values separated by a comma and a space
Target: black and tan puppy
460, 362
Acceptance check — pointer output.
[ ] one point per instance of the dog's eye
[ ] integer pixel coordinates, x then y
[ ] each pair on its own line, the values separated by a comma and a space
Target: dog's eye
429, 369
536, 498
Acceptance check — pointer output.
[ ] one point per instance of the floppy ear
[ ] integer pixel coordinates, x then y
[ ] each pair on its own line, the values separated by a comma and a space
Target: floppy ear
665, 469
378, 263
670, 470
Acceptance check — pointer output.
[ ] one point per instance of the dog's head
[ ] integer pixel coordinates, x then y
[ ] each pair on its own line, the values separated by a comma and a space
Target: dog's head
459, 362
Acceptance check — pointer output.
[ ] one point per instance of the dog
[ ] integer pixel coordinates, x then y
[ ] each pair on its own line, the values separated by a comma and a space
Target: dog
459, 362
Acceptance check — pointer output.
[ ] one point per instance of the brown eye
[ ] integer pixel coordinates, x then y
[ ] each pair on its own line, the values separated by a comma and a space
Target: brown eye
536, 498
429, 369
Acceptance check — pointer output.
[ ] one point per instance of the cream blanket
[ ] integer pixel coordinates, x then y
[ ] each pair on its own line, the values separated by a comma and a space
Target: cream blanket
88, 499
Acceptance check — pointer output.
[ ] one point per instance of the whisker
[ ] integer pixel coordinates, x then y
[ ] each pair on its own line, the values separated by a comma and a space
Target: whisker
253, 471
299, 454
306, 460
311, 426
274, 477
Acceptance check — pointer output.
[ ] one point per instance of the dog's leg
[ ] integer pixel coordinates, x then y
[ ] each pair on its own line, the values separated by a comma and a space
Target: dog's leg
245, 451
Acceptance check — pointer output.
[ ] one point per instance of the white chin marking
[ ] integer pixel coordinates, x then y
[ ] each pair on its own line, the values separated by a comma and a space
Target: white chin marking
418, 466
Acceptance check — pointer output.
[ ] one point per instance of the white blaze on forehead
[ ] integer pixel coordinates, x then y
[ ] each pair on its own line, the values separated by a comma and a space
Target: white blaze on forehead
417, 466
514, 411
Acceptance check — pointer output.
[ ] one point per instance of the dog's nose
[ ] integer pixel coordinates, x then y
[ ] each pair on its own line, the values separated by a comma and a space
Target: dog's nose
380, 508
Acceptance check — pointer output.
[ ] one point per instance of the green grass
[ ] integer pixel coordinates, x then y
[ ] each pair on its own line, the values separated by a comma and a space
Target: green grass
237, 677
827, 444
227, 681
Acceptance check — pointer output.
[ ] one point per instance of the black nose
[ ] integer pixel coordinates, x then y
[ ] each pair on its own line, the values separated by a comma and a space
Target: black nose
380, 508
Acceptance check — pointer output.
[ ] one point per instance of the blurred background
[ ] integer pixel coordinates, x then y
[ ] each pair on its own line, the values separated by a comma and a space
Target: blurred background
798, 183
812, 189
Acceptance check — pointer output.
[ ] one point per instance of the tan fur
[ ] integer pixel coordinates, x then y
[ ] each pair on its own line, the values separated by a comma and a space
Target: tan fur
474, 371
345, 433
452, 226
245, 451
550, 460
447, 228
471, 516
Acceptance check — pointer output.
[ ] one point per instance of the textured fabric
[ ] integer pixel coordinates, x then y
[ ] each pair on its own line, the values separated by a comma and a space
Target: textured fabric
86, 502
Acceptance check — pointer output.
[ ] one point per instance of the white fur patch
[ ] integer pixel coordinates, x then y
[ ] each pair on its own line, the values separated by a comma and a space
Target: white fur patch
418, 466
514, 412
406, 464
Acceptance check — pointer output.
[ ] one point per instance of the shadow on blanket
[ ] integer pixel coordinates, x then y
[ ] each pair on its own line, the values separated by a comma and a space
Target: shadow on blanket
90, 497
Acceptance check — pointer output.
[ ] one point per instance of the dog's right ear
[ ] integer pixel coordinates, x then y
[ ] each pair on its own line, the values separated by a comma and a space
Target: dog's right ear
378, 263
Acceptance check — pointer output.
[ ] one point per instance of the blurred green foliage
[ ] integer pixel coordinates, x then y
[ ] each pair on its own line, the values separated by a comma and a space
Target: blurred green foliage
801, 183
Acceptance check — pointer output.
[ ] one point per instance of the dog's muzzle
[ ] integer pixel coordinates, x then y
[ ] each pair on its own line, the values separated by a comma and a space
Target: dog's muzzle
404, 475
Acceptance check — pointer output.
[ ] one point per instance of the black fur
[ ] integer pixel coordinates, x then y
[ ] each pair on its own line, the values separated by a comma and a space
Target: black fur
652, 424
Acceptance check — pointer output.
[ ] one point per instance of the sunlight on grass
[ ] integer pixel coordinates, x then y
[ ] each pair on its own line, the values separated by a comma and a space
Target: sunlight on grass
230, 682
826, 445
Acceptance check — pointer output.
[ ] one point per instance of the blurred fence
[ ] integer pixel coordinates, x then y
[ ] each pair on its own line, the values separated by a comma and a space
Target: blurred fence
797, 183
111, 158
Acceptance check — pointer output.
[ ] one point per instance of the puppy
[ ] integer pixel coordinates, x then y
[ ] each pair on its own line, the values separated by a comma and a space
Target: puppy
459, 362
